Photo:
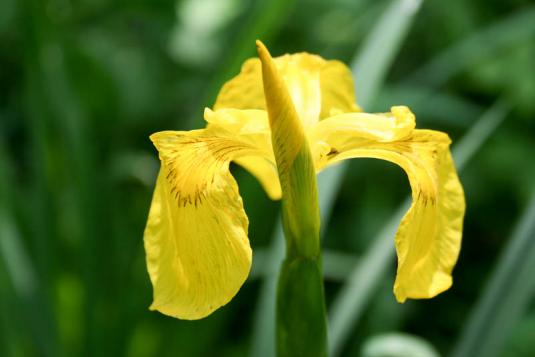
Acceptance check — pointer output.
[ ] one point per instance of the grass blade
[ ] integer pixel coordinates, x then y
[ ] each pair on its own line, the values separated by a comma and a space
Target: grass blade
390, 32
479, 133
454, 111
336, 265
264, 320
515, 28
362, 283
507, 296
24, 291
380, 48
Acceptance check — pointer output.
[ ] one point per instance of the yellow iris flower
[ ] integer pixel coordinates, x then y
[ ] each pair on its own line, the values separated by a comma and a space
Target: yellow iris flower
198, 252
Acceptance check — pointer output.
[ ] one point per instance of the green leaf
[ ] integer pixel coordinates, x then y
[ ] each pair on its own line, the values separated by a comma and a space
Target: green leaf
24, 285
380, 48
301, 319
454, 110
515, 28
507, 296
336, 265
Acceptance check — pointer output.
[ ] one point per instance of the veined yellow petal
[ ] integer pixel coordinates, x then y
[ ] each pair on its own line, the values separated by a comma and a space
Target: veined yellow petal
318, 88
198, 254
244, 91
429, 237
251, 126
265, 172
301, 74
240, 122
352, 130
337, 90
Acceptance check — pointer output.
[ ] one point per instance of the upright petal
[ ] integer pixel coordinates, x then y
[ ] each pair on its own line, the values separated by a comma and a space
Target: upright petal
301, 74
245, 90
198, 254
318, 88
337, 90
429, 237
251, 126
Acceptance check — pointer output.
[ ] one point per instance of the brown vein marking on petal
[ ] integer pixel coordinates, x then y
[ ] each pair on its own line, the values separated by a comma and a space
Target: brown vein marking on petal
192, 166
332, 152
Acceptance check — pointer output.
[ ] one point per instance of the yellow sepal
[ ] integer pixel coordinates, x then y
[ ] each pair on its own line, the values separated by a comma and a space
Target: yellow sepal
196, 244
428, 240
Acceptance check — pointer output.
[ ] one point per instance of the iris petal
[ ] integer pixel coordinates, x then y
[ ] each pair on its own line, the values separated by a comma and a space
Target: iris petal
198, 253
429, 237
265, 171
319, 88
251, 126
337, 90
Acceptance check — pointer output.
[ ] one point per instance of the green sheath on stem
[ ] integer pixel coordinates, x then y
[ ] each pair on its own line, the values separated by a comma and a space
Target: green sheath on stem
301, 318
301, 324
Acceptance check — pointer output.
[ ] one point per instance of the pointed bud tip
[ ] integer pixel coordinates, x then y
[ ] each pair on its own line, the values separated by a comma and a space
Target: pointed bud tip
262, 51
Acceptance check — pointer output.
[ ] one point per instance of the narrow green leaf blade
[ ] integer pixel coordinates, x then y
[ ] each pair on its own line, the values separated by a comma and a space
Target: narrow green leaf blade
507, 296
517, 27
380, 48
22, 286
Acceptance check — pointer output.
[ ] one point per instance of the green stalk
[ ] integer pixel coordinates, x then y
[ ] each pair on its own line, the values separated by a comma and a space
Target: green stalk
396, 20
301, 318
301, 322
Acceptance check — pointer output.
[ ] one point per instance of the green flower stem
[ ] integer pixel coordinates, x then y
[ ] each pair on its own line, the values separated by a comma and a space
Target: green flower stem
301, 316
301, 322
300, 208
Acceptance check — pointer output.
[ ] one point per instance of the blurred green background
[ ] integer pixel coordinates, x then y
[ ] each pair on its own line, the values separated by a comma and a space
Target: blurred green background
84, 83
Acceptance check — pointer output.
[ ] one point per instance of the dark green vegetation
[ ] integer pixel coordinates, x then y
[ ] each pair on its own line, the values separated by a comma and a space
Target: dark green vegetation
83, 84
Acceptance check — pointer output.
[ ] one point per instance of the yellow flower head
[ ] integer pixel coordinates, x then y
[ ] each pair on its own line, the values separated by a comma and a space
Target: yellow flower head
198, 253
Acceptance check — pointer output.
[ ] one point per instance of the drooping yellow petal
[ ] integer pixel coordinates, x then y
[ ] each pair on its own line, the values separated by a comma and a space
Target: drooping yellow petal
318, 88
251, 126
429, 236
265, 172
198, 254
347, 131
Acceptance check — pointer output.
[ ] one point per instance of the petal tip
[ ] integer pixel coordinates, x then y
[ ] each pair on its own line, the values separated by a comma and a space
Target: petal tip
402, 112
153, 137
208, 114
400, 295
263, 52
